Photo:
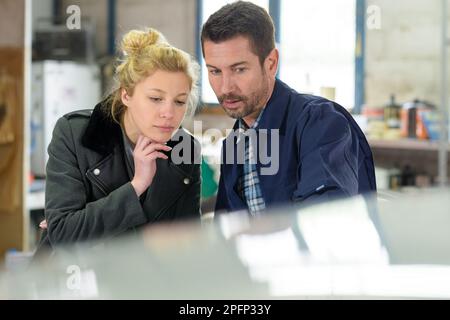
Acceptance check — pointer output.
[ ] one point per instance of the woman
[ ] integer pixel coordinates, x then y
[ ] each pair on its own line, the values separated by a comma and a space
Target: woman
112, 169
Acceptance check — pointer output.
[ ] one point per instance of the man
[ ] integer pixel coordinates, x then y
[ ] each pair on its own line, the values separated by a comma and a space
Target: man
322, 152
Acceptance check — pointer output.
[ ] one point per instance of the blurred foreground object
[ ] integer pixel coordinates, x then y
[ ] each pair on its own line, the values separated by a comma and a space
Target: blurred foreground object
390, 246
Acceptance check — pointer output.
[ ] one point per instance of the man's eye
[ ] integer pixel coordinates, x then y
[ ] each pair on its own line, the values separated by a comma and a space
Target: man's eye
239, 70
214, 71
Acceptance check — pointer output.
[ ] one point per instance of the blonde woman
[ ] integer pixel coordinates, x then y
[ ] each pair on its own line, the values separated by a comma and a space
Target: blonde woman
114, 168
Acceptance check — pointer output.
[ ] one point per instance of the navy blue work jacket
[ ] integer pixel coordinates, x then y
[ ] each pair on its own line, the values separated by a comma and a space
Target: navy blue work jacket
323, 153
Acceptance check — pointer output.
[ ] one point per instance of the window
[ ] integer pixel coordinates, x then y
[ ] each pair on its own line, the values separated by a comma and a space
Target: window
317, 47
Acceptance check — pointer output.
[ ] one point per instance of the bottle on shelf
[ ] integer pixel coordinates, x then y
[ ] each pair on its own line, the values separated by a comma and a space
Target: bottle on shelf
415, 117
392, 114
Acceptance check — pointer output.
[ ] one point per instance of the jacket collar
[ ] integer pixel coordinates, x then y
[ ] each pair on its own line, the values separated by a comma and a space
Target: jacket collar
102, 133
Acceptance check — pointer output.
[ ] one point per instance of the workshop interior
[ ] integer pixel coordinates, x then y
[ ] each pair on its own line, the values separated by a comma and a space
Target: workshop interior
385, 62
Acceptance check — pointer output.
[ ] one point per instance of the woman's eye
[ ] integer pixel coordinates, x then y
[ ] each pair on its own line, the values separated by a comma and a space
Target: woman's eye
180, 103
155, 99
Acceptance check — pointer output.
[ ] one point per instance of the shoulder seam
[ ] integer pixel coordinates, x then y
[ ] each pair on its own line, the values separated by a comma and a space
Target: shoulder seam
79, 113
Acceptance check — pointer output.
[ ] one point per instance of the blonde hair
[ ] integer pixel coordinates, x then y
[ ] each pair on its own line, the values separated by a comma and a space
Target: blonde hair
144, 52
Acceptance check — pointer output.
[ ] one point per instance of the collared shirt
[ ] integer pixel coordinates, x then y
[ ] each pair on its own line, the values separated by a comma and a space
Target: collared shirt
248, 185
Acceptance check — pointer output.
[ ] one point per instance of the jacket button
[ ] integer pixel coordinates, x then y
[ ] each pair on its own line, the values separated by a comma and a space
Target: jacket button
186, 181
96, 172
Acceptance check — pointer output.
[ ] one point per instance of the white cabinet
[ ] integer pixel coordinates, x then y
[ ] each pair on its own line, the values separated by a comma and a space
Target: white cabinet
58, 87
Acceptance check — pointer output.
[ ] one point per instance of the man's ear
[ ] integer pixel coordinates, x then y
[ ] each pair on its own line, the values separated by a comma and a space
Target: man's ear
272, 62
124, 97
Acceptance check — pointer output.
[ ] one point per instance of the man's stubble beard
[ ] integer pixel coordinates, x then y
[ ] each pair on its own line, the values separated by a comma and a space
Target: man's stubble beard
252, 104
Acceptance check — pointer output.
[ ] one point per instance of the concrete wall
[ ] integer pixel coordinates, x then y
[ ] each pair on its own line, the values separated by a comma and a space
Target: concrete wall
403, 56
12, 23
174, 18
97, 12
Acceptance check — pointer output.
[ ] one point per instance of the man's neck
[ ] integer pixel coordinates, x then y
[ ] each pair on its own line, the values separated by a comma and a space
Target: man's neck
251, 118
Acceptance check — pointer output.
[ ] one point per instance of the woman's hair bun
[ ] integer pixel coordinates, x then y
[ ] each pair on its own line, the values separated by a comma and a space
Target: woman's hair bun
135, 41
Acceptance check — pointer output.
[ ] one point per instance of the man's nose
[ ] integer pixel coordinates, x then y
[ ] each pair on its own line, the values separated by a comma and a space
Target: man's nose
227, 85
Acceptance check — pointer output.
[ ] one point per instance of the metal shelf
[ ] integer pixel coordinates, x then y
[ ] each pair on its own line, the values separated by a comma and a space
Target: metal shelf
406, 144
420, 155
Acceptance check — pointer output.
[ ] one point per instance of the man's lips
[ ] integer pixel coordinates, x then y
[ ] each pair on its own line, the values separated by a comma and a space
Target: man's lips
231, 103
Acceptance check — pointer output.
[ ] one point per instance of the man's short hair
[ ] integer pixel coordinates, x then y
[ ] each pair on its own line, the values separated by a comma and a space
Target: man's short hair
241, 18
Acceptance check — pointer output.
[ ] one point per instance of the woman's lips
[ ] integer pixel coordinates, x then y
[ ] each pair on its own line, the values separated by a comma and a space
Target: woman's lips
165, 128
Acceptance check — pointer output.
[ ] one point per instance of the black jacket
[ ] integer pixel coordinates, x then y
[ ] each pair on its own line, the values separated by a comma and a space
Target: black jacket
88, 191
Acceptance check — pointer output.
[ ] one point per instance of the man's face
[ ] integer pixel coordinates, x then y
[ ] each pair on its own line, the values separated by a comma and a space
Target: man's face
236, 76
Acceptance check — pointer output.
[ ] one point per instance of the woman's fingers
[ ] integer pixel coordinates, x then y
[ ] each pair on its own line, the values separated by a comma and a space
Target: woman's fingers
155, 155
140, 142
43, 224
145, 147
144, 141
152, 147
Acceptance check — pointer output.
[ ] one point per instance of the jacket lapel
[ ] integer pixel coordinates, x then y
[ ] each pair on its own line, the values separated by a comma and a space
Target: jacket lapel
104, 136
275, 116
231, 171
168, 186
110, 172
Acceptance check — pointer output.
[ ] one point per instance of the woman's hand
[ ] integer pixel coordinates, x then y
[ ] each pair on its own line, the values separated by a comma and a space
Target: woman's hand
145, 154
43, 224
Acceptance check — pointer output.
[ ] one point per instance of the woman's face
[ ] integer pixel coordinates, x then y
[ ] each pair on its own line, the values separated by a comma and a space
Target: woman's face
157, 106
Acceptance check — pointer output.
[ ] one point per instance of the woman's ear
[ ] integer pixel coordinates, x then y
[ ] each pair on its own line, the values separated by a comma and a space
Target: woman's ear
124, 97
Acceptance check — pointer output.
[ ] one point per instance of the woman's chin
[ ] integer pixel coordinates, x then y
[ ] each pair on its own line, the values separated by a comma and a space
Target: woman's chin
159, 137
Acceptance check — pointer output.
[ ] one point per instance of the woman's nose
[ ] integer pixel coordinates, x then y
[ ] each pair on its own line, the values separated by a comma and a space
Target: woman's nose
167, 110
